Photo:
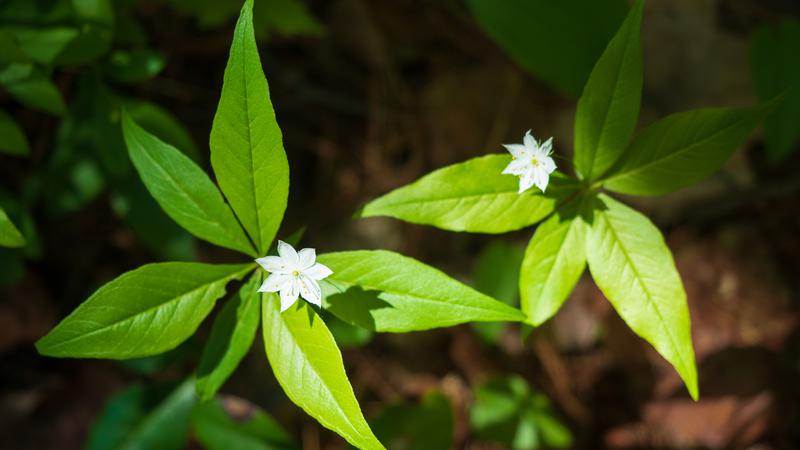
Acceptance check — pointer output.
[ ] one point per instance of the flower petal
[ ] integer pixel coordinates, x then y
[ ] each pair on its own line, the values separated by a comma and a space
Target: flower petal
518, 151
547, 146
272, 264
310, 291
307, 257
289, 255
540, 179
517, 166
317, 271
525, 181
548, 164
529, 141
275, 282
289, 294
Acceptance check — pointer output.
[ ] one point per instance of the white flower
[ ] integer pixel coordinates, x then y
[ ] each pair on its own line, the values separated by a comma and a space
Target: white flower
532, 162
293, 274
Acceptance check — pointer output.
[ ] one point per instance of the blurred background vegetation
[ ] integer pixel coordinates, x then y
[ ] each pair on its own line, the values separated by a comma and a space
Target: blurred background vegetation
371, 95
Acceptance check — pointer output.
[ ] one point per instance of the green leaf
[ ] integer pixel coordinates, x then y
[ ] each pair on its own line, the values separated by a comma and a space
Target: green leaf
284, 17
12, 138
775, 68
496, 274
309, 368
183, 190
554, 261
144, 312
135, 66
133, 421
427, 426
42, 45
163, 124
557, 41
231, 337
246, 144
97, 11
609, 106
682, 149
471, 196
10, 236
32, 88
633, 267
10, 51
217, 430
384, 291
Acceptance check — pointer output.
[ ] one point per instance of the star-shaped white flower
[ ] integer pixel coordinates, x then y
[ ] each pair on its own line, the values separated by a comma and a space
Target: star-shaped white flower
293, 274
532, 162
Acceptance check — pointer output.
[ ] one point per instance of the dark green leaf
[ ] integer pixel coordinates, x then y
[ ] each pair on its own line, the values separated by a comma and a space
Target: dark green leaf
557, 41
10, 236
231, 338
135, 66
427, 426
775, 69
12, 138
32, 88
217, 430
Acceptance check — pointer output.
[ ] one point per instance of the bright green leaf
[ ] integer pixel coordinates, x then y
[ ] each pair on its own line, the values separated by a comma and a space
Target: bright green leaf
554, 261
161, 123
471, 196
246, 144
12, 138
10, 236
32, 88
217, 430
384, 291
609, 106
144, 312
775, 68
682, 149
557, 41
183, 190
633, 267
231, 338
309, 368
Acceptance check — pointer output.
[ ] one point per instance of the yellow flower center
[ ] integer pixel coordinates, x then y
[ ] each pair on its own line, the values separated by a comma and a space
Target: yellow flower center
296, 273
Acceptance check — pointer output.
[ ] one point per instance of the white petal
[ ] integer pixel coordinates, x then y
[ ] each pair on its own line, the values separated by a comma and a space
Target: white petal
540, 179
275, 282
307, 257
517, 166
289, 255
548, 164
529, 141
310, 291
289, 294
525, 181
518, 151
272, 264
547, 146
317, 271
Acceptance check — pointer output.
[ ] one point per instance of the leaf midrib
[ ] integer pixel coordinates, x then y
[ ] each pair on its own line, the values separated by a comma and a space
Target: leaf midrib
148, 310
648, 295
676, 153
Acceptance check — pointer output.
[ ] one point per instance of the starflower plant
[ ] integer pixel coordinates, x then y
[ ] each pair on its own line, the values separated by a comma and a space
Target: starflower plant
156, 307
581, 224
